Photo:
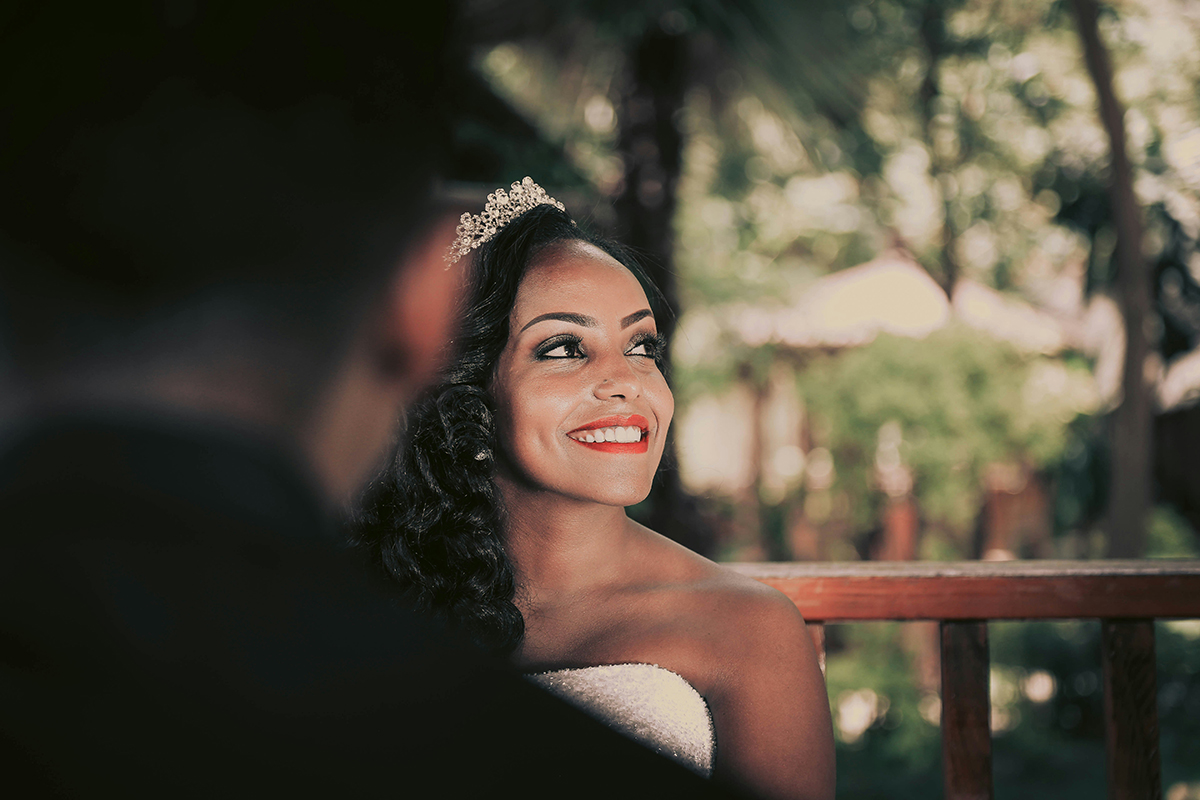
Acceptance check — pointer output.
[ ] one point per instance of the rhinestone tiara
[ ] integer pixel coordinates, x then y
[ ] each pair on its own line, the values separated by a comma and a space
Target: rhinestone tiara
502, 208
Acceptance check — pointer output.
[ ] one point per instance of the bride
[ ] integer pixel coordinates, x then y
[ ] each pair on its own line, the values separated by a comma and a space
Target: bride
505, 513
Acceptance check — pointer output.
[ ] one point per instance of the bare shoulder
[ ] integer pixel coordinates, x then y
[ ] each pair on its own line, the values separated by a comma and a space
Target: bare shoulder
759, 625
674, 561
745, 647
738, 615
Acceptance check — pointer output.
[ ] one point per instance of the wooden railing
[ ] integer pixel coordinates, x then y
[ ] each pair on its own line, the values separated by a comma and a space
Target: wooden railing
1124, 596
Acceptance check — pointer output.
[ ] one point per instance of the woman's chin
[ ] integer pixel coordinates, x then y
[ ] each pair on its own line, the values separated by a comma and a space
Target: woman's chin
617, 496
632, 498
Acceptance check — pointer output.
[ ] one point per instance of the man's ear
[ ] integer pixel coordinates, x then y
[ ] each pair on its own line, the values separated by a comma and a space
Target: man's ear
418, 318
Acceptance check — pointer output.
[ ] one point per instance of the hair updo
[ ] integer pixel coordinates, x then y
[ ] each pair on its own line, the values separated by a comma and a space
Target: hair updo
432, 520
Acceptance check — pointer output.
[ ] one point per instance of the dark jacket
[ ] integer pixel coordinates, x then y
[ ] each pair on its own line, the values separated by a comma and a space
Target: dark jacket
179, 618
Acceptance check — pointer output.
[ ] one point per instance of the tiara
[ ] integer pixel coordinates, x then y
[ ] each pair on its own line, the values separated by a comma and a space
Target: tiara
502, 208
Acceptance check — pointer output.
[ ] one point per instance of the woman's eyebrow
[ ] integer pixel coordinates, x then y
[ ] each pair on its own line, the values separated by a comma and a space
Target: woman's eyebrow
635, 316
585, 321
565, 316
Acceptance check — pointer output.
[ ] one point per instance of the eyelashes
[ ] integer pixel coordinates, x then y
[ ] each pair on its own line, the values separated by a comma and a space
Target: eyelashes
564, 346
653, 344
567, 346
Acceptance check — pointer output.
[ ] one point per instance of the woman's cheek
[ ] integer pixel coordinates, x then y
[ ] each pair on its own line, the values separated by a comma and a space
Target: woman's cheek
664, 402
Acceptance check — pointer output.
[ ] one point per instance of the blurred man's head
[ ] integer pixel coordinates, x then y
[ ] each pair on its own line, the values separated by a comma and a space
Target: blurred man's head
223, 209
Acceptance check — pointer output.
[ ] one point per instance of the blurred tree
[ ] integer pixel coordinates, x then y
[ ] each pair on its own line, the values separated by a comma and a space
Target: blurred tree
787, 139
1130, 486
653, 41
960, 402
650, 146
806, 149
943, 159
1024, 171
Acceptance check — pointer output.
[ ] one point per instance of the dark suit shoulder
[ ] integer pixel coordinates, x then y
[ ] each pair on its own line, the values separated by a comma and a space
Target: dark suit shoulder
155, 642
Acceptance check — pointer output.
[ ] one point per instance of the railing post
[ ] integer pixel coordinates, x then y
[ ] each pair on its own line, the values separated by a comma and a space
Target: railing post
1130, 709
966, 711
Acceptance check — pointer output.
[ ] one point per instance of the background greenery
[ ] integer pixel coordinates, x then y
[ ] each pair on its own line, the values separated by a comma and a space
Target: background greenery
750, 150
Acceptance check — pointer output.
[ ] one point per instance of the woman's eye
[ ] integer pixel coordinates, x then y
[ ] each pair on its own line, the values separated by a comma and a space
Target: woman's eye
647, 348
564, 350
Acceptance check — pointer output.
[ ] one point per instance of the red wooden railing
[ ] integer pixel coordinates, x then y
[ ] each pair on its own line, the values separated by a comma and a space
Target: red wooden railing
1124, 596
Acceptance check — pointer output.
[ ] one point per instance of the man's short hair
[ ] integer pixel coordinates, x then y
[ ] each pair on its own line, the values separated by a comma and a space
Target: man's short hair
157, 154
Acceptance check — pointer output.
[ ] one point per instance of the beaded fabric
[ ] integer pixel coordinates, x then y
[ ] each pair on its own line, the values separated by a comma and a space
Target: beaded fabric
501, 208
647, 703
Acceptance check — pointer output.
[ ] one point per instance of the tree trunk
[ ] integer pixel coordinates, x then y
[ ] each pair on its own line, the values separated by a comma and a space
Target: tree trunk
1130, 493
652, 148
933, 38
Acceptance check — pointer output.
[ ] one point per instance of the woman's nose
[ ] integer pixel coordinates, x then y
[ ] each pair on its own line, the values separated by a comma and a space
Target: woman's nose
619, 382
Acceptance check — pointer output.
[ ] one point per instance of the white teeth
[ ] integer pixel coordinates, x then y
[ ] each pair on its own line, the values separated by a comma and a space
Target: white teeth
627, 433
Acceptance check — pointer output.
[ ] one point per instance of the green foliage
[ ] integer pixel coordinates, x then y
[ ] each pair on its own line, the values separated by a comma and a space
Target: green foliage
961, 400
898, 742
1081, 476
1170, 536
1059, 741
819, 134
1178, 651
1047, 709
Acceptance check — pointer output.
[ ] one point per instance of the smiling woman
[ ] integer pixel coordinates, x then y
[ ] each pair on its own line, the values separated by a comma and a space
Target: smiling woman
505, 514
581, 366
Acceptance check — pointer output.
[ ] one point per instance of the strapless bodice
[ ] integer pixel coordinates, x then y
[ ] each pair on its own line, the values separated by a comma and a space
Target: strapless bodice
650, 704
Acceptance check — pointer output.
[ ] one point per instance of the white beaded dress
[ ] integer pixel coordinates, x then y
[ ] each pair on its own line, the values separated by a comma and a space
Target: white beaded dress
645, 702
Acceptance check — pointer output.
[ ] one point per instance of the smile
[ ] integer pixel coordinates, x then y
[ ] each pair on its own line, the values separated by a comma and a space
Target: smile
614, 434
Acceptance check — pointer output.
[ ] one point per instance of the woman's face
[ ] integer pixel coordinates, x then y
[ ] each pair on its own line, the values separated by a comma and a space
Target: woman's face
583, 410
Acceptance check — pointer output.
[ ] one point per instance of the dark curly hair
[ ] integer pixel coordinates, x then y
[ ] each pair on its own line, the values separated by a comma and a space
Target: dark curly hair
432, 520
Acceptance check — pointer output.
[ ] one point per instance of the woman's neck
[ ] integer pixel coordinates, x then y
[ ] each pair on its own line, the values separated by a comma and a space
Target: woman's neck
560, 544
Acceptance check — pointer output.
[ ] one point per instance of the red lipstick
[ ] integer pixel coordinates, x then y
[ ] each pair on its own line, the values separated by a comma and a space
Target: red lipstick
633, 420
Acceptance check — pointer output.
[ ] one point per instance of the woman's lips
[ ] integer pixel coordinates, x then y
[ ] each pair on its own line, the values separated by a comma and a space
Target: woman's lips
614, 434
